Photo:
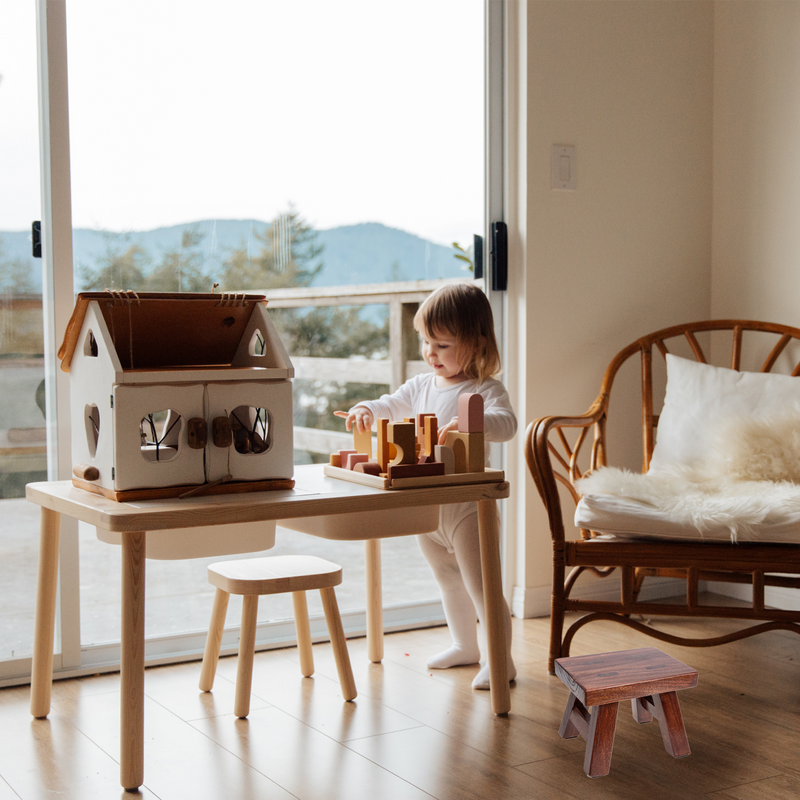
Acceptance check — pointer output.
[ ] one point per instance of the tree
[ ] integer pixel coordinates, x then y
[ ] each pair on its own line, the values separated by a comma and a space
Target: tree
182, 268
120, 267
15, 275
289, 257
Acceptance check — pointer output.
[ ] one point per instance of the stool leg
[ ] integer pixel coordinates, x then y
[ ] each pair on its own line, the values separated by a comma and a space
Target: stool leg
640, 711
214, 640
673, 732
600, 741
303, 633
372, 552
247, 647
336, 631
575, 721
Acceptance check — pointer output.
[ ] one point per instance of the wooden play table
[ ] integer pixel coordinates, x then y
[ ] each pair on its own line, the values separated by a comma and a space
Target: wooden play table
314, 495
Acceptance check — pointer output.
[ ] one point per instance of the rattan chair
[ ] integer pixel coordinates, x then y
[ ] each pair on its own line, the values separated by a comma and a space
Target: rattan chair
553, 453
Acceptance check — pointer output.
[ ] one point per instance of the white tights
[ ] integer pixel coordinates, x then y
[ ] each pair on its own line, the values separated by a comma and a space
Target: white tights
460, 582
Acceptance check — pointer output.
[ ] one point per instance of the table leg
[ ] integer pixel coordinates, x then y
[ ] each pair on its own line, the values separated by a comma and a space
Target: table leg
372, 553
493, 598
131, 760
45, 620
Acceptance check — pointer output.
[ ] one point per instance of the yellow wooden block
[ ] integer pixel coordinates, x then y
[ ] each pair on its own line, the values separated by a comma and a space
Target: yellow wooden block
362, 442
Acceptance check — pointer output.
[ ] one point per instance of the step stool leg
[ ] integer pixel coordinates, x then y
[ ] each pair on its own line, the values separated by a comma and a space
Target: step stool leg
600, 741
670, 719
639, 709
214, 640
336, 631
372, 552
247, 648
303, 629
575, 720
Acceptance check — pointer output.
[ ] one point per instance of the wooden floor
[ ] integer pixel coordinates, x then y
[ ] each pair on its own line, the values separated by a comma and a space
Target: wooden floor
412, 733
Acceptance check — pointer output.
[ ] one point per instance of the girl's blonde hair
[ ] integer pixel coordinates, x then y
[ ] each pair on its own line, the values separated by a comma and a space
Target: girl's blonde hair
462, 310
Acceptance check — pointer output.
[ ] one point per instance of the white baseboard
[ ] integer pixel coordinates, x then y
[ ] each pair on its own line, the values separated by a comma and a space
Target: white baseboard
774, 596
534, 601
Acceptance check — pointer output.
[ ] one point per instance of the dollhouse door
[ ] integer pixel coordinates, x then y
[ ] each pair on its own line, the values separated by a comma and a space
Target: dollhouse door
250, 431
151, 439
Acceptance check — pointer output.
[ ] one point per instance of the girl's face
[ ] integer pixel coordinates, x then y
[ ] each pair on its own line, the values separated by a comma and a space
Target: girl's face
440, 352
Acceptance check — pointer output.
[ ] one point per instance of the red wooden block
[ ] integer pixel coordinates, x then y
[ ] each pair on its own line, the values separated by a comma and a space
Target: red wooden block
401, 435
470, 413
415, 470
356, 458
368, 467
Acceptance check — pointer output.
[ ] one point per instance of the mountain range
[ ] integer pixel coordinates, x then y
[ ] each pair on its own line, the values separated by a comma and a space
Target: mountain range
368, 252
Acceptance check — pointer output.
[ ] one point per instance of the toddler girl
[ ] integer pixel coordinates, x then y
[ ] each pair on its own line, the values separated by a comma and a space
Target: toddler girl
458, 343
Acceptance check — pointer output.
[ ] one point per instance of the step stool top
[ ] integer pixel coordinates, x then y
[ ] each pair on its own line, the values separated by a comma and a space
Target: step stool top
610, 677
274, 574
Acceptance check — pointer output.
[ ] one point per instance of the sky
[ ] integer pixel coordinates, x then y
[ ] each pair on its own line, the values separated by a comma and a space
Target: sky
351, 110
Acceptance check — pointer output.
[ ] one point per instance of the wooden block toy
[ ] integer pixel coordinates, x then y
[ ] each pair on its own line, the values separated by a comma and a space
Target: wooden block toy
415, 470
362, 442
383, 455
430, 435
169, 392
401, 435
336, 460
470, 413
343, 456
421, 426
467, 451
446, 456
355, 458
368, 467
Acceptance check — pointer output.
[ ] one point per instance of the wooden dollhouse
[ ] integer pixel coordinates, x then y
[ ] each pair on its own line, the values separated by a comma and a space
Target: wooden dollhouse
174, 394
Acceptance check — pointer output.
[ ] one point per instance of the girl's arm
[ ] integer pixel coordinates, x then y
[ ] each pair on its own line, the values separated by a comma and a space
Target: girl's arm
397, 405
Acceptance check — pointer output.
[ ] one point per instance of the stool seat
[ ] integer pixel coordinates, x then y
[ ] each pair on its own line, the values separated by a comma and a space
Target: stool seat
274, 575
647, 677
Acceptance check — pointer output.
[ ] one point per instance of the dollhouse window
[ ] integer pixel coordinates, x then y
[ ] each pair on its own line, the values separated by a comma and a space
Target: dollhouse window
160, 433
258, 344
90, 345
251, 430
91, 416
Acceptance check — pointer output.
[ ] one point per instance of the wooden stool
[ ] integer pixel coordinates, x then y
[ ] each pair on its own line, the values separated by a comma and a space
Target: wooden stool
274, 575
647, 677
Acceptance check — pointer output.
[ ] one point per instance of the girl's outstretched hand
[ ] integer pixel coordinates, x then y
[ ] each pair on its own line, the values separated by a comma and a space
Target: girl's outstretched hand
360, 415
444, 430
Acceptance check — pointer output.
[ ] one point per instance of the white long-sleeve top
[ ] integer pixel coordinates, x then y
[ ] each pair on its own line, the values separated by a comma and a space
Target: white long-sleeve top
420, 395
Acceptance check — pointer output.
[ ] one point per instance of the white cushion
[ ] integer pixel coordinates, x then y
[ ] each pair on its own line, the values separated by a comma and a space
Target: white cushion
698, 395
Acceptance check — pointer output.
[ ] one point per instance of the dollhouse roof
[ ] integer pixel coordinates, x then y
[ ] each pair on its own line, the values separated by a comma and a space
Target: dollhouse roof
166, 330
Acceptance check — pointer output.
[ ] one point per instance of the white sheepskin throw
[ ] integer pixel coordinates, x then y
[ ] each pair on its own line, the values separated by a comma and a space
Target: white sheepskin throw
751, 476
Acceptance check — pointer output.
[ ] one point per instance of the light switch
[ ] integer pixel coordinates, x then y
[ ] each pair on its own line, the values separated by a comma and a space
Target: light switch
562, 169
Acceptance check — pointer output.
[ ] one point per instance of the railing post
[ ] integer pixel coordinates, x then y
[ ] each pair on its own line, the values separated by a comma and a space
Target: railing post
401, 333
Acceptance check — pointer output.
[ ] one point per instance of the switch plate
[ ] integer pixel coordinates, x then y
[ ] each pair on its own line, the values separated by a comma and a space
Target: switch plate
562, 167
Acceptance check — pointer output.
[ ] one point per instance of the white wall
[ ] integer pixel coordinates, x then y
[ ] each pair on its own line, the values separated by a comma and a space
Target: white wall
629, 84
756, 227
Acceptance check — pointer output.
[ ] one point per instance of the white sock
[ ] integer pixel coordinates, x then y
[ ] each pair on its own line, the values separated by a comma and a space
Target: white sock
481, 680
455, 656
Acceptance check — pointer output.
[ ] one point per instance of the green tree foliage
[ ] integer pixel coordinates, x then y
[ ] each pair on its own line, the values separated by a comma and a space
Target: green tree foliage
123, 266
15, 274
182, 268
289, 257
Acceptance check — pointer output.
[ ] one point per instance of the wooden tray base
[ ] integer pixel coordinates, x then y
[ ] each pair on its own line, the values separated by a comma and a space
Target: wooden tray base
377, 482
165, 492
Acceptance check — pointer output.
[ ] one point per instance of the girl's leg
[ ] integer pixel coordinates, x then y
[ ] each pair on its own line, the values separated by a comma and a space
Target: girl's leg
466, 544
459, 610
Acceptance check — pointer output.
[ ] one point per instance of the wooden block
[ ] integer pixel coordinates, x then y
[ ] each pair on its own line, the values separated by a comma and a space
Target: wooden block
421, 426
355, 458
430, 435
362, 442
467, 451
343, 456
470, 413
197, 433
401, 435
336, 460
221, 432
415, 470
447, 457
368, 467
384, 456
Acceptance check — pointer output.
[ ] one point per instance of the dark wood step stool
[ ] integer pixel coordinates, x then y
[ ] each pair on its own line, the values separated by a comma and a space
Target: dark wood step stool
647, 677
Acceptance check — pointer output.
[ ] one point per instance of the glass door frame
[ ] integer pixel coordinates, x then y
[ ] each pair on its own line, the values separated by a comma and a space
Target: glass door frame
58, 296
